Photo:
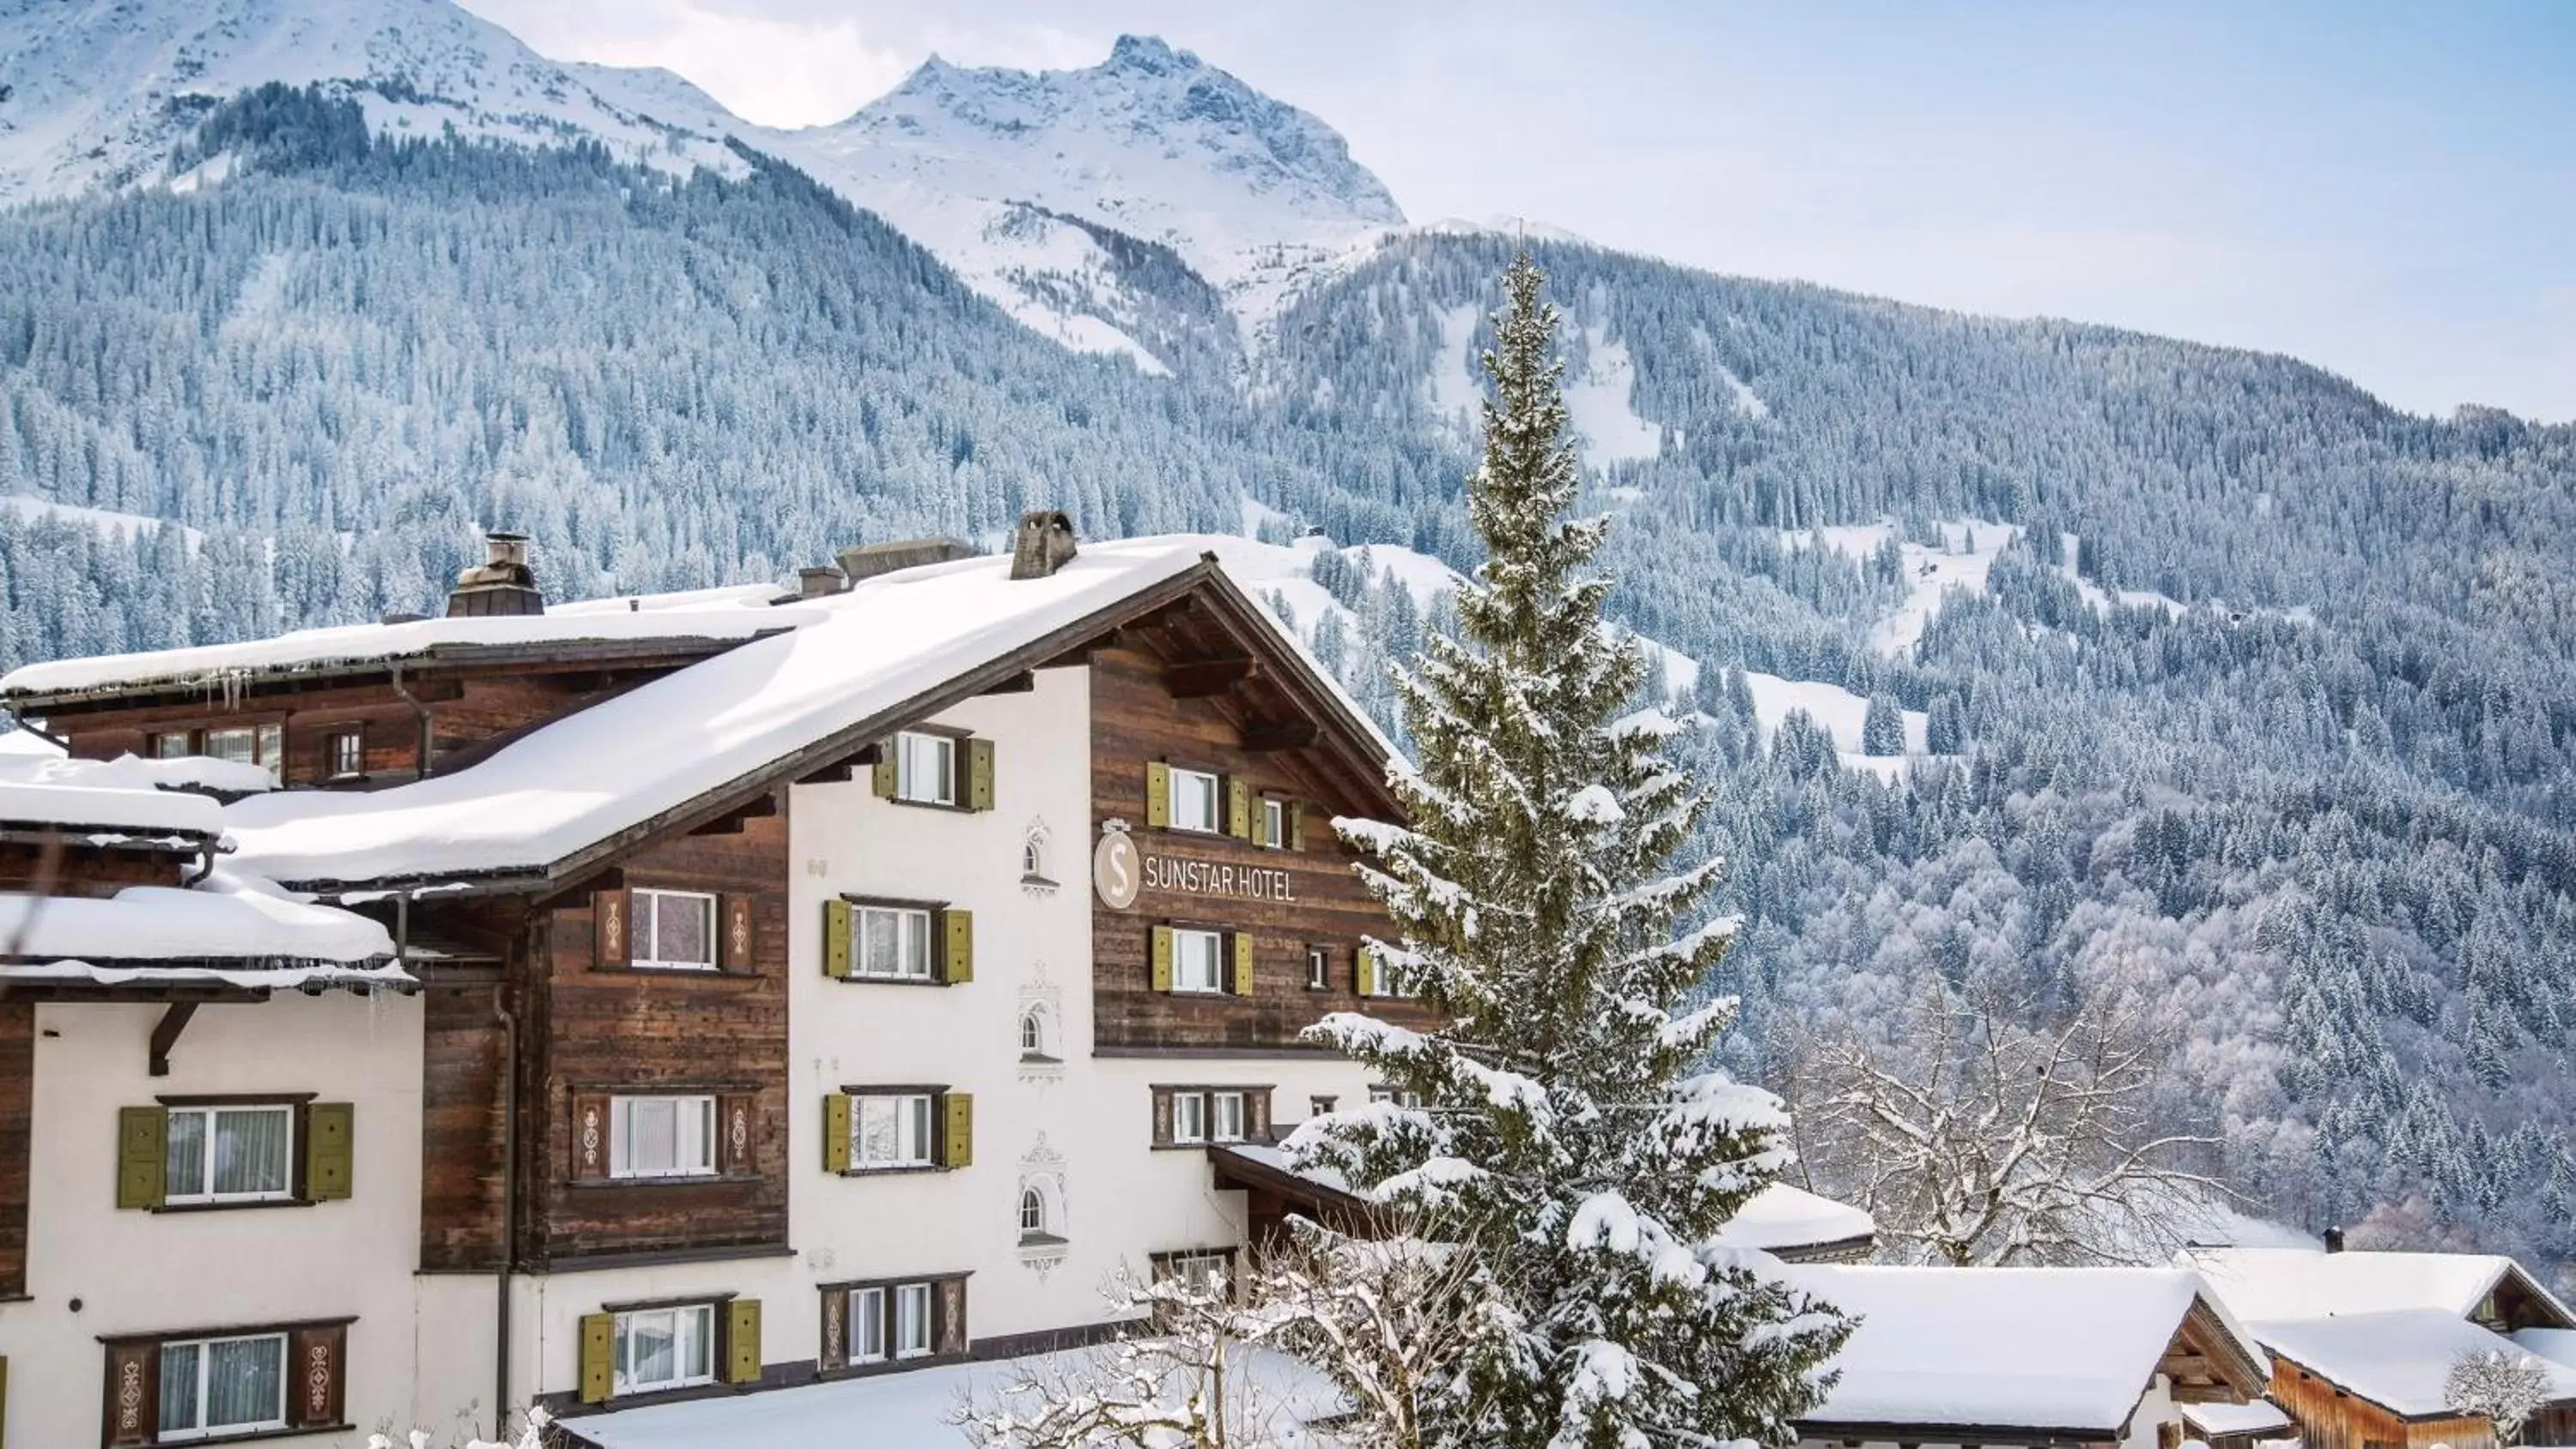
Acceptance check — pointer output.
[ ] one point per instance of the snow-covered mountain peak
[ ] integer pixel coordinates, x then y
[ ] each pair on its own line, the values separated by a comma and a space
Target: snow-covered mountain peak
99, 91
1152, 141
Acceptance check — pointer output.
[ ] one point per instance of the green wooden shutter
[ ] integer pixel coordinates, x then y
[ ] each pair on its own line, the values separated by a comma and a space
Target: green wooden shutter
957, 1117
836, 1132
1242, 941
1238, 807
1366, 982
598, 1357
979, 774
881, 778
330, 1164
836, 939
956, 947
1296, 825
1158, 795
742, 1341
1162, 954
142, 1156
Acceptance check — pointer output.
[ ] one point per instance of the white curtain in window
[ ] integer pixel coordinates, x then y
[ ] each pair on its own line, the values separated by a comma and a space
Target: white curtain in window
245, 1381
251, 1151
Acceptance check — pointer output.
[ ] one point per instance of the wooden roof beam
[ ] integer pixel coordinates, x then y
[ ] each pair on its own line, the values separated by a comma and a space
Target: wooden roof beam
1200, 678
1290, 733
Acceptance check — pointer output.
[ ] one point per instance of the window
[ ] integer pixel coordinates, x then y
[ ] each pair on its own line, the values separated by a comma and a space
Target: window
911, 1320
890, 1131
1033, 1036
1384, 1093
925, 769
172, 746
868, 1325
1194, 1116
894, 943
222, 1386
1190, 1117
1319, 968
344, 753
1226, 1110
661, 1137
1033, 1214
228, 1154
1204, 1265
1380, 976
665, 1348
1033, 859
1196, 801
247, 745
1320, 1106
1274, 824
672, 930
1198, 960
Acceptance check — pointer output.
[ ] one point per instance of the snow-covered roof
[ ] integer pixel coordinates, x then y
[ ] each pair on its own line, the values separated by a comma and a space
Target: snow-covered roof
2397, 1359
2223, 1421
49, 766
2282, 1283
79, 810
865, 659
697, 616
2070, 1350
228, 918
2558, 1345
912, 1410
1791, 1220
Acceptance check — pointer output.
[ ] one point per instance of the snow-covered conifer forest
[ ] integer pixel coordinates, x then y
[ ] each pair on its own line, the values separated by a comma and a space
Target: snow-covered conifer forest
2040, 656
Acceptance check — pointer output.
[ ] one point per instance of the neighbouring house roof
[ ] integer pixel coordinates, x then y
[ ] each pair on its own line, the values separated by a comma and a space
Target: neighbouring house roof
2233, 1421
2285, 1283
229, 922
890, 650
87, 812
912, 1410
1796, 1224
2398, 1358
698, 617
2016, 1355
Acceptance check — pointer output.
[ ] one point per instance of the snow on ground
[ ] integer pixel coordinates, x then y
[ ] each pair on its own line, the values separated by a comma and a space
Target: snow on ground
1967, 555
912, 1410
1839, 710
122, 526
1747, 401
1457, 383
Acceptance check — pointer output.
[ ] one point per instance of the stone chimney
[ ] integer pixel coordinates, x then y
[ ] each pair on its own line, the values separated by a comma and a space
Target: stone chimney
502, 584
870, 560
1043, 544
820, 582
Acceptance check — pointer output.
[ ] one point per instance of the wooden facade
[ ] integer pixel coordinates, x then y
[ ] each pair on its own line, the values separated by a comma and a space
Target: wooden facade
2331, 1417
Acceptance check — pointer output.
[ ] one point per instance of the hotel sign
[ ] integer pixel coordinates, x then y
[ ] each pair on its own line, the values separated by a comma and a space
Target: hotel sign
1121, 871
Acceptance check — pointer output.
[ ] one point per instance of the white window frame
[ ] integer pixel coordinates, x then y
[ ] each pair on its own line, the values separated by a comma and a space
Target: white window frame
868, 1322
205, 1357
1032, 1223
265, 744
1274, 824
1394, 983
1189, 1117
1182, 979
173, 745
917, 1117
205, 1192
915, 750
1224, 1105
693, 1135
1201, 1261
1174, 777
645, 906
911, 1317
913, 927
355, 740
1033, 1035
1319, 968
1381, 1092
692, 1325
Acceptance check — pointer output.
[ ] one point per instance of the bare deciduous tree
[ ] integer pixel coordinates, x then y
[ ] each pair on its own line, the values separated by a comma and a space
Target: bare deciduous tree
1383, 1321
1977, 1133
2503, 1386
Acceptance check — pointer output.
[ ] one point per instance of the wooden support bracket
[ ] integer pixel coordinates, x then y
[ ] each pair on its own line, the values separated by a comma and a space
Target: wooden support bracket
165, 1034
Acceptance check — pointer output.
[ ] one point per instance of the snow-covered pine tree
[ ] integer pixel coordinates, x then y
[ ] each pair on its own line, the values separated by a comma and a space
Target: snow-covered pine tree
1569, 1131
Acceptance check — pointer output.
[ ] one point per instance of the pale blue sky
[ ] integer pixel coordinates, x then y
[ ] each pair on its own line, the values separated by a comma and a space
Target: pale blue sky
2387, 190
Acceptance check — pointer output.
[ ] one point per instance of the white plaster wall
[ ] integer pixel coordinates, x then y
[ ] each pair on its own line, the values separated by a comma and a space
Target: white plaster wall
137, 1271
